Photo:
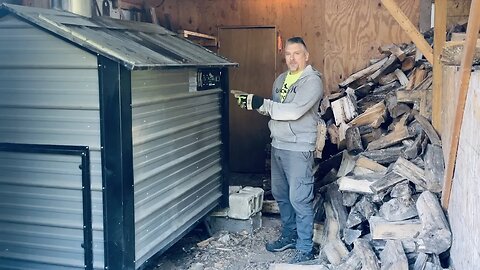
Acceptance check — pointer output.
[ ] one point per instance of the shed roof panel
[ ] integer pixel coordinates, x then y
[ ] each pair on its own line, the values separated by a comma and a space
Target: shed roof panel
136, 45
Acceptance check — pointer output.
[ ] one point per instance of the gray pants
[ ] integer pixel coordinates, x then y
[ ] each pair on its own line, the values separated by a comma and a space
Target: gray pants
292, 188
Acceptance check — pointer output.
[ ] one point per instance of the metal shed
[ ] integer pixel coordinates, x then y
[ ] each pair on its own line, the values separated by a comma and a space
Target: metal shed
113, 139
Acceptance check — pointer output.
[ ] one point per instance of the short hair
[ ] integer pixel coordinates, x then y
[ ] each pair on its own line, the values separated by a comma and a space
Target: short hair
297, 40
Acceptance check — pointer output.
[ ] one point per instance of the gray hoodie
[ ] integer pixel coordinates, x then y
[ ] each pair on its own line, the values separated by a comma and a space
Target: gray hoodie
293, 124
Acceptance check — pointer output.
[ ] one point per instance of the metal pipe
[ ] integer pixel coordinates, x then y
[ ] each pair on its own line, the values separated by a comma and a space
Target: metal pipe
80, 7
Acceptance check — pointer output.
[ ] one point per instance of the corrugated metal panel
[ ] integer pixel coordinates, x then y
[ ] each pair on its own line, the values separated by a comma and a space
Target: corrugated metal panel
40, 223
48, 95
136, 45
177, 144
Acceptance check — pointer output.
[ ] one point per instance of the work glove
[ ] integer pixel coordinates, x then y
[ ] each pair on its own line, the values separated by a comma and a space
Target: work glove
247, 101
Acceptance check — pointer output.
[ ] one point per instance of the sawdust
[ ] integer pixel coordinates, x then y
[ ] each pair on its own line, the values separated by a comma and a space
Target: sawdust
224, 250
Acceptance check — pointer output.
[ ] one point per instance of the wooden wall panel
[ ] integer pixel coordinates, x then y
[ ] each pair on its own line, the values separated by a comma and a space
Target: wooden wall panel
457, 11
354, 31
341, 35
463, 211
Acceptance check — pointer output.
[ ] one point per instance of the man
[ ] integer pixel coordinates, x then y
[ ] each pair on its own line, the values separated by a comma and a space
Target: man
293, 110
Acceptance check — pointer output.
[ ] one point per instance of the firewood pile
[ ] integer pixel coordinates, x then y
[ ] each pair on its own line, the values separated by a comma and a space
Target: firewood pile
380, 208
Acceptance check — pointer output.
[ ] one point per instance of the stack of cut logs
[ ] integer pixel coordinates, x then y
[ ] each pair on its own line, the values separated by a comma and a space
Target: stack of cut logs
380, 208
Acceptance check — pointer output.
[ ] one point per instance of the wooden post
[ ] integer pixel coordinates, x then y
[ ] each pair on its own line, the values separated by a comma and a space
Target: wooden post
440, 31
465, 72
409, 28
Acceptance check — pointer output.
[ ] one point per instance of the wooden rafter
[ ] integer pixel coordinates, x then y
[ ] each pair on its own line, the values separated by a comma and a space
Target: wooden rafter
465, 72
440, 31
409, 28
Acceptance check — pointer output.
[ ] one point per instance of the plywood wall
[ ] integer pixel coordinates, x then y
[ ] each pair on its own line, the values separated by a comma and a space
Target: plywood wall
342, 35
457, 11
354, 30
463, 211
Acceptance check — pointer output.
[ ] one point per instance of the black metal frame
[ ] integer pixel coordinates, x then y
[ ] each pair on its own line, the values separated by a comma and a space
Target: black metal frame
84, 153
117, 164
225, 129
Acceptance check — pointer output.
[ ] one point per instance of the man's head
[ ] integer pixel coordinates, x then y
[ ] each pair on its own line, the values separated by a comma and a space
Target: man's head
296, 54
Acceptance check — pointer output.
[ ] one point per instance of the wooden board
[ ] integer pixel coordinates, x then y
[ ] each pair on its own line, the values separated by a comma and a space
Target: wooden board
449, 103
254, 50
462, 212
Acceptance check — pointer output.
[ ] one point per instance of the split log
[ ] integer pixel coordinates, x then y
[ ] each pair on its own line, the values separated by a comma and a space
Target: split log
411, 81
342, 130
331, 163
387, 79
385, 89
411, 97
401, 189
344, 110
434, 164
358, 171
354, 218
393, 49
420, 75
347, 165
378, 197
421, 261
393, 256
329, 178
324, 105
362, 73
399, 134
335, 96
363, 90
386, 155
351, 184
409, 245
398, 209
373, 116
333, 248
349, 198
415, 174
383, 229
367, 256
353, 262
402, 78
333, 134
412, 151
408, 63
354, 140
399, 109
418, 55
435, 236
321, 136
429, 130
318, 231
390, 179
349, 235
425, 84
369, 164
369, 134
389, 66
361, 212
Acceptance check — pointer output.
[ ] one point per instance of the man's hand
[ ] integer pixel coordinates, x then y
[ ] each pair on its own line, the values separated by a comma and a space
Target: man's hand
247, 101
